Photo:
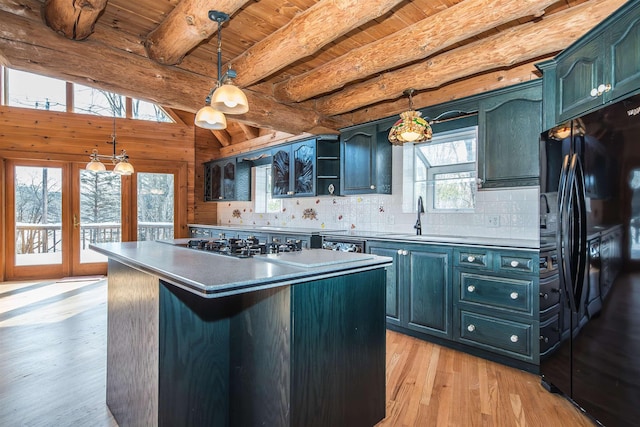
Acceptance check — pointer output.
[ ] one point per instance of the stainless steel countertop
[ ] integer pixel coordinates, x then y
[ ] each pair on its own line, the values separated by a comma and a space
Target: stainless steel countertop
212, 275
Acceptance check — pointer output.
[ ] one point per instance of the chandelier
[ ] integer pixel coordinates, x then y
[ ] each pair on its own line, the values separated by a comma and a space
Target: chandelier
411, 127
121, 161
224, 97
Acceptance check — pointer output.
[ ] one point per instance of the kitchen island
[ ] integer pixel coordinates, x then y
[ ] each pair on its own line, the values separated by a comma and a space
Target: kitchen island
293, 339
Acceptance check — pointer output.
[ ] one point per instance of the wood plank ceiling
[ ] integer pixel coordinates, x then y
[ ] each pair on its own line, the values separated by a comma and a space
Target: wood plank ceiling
307, 66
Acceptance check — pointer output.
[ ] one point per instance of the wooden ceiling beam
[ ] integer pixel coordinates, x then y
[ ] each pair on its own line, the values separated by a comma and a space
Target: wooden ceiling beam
184, 28
304, 35
411, 44
27, 44
73, 19
249, 132
513, 46
223, 137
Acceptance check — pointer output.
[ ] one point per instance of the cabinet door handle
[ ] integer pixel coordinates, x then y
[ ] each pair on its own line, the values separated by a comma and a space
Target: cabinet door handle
513, 295
471, 328
543, 338
597, 91
544, 295
471, 288
514, 338
405, 252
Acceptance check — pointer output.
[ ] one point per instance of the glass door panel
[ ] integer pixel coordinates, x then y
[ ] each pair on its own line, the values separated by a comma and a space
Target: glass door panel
155, 205
100, 218
38, 215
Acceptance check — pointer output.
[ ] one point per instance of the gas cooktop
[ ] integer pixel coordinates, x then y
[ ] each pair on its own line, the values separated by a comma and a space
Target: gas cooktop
243, 248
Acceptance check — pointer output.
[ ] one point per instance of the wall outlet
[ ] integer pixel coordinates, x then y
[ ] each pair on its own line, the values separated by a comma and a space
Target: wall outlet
493, 220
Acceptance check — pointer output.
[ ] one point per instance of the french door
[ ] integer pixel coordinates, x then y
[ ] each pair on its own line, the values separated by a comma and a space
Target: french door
56, 209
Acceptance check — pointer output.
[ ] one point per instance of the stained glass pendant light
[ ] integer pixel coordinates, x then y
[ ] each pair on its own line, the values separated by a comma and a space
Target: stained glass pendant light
411, 127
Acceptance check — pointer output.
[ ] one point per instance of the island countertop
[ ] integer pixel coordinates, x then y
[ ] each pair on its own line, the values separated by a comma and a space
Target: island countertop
211, 275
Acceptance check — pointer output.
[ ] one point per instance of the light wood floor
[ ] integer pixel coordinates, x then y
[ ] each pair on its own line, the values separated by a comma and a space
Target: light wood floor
53, 357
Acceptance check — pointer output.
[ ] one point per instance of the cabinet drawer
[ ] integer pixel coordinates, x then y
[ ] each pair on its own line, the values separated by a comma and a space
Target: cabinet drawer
474, 258
497, 292
549, 292
514, 263
504, 336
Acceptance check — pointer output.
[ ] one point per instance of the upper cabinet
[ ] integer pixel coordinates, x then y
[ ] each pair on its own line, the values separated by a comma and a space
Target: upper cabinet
226, 180
366, 161
509, 127
306, 168
602, 66
293, 169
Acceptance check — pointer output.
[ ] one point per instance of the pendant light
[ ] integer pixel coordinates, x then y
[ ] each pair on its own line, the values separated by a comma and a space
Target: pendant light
411, 127
121, 161
224, 97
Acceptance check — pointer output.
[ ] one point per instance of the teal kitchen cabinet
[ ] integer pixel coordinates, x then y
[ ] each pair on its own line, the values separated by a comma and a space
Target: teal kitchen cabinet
496, 302
601, 67
293, 169
227, 179
509, 127
365, 160
418, 287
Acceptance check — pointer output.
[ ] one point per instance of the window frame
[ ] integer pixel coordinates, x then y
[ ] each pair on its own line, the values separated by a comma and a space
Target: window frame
429, 195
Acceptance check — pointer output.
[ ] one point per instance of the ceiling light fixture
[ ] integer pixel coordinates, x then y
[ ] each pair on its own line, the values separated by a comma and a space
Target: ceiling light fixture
121, 161
411, 127
224, 97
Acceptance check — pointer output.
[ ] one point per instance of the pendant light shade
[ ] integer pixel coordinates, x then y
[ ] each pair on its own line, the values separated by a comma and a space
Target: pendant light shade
411, 127
230, 99
210, 118
123, 167
95, 165
224, 97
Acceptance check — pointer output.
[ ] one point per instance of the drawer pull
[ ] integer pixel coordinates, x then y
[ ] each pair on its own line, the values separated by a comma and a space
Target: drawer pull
514, 338
471, 288
544, 295
514, 263
513, 295
471, 258
545, 339
471, 328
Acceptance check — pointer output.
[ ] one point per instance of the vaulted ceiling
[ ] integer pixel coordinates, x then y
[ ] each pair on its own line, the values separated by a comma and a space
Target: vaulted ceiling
306, 65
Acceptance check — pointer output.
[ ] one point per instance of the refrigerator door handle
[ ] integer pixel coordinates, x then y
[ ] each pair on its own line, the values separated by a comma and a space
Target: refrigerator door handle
563, 233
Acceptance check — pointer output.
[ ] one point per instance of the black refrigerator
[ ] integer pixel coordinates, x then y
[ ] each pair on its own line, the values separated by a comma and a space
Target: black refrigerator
590, 259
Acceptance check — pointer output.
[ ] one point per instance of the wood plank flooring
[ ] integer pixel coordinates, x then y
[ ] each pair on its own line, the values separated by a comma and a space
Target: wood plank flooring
53, 363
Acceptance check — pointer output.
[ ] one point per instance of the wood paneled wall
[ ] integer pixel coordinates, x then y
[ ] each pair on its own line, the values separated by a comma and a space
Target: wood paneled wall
37, 134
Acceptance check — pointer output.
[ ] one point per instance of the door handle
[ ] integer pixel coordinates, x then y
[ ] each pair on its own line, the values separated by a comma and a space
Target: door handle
75, 221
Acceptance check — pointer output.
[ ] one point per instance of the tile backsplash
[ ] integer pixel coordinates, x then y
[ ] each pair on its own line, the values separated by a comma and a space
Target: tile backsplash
507, 213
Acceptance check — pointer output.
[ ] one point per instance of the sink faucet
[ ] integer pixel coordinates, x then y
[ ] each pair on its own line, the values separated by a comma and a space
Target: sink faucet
418, 225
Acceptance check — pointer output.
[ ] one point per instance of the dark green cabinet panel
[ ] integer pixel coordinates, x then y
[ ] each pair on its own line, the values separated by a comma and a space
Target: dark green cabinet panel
226, 180
366, 161
418, 286
601, 67
430, 291
509, 126
393, 288
577, 73
294, 169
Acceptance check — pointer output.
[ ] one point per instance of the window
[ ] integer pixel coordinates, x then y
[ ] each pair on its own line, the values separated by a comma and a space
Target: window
445, 170
44, 93
34, 91
88, 100
263, 201
143, 110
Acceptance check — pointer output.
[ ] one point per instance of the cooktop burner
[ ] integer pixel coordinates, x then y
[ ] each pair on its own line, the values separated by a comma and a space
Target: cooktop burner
243, 248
